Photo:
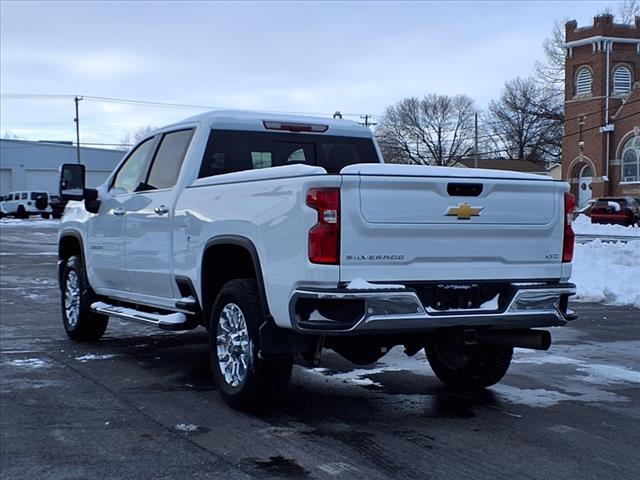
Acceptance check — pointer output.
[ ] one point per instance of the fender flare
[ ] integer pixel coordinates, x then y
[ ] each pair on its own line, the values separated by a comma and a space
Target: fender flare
248, 245
75, 234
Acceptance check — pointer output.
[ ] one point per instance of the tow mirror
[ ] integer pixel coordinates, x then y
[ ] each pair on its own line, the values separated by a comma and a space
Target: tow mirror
72, 181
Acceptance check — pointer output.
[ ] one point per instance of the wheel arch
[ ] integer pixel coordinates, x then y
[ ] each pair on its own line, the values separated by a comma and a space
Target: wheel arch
69, 244
225, 249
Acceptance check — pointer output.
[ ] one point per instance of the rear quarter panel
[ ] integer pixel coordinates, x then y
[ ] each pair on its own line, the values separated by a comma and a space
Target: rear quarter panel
271, 213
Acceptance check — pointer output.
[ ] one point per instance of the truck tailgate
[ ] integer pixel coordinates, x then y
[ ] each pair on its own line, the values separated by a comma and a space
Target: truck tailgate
407, 223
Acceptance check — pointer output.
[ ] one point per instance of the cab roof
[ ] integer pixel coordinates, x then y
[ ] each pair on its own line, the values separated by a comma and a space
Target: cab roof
254, 121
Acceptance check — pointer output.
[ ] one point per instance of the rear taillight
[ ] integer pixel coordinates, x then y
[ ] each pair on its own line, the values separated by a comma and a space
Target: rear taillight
324, 237
569, 236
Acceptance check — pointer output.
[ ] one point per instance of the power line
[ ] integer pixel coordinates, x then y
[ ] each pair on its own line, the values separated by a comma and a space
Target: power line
128, 101
599, 126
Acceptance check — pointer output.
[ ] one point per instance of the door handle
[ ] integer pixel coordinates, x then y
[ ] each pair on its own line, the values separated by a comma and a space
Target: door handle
161, 210
119, 211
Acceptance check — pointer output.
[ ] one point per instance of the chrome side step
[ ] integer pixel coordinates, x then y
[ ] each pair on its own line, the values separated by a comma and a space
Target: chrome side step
166, 321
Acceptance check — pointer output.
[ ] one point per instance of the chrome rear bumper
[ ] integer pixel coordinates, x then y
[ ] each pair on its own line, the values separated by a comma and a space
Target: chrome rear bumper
401, 310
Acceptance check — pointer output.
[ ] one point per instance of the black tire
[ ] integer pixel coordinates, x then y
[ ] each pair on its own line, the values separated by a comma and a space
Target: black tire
80, 323
468, 367
21, 212
45, 215
265, 376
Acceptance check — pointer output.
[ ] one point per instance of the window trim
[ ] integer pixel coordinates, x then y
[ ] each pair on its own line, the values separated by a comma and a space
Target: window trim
152, 157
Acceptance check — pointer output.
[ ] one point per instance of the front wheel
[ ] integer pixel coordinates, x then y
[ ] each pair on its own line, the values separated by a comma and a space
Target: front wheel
468, 367
244, 375
80, 322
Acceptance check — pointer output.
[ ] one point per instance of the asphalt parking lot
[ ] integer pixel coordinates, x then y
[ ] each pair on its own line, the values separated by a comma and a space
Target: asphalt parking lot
141, 403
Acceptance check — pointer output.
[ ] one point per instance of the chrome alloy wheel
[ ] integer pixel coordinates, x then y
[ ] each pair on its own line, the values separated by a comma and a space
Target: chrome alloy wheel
234, 351
72, 298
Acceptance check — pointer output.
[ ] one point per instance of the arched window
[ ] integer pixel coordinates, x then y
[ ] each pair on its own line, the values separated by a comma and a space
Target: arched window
584, 80
622, 79
631, 160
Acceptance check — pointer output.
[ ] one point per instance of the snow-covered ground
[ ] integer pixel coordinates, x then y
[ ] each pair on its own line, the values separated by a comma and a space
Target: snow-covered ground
608, 272
583, 226
31, 222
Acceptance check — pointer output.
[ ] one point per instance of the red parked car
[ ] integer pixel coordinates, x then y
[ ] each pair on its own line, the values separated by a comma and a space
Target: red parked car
618, 210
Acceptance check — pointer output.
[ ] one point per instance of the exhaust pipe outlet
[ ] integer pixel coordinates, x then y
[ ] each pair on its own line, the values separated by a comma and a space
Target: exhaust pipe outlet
533, 339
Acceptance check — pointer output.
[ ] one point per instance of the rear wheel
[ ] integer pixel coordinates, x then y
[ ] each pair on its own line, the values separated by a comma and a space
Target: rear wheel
468, 367
244, 375
45, 215
21, 212
80, 322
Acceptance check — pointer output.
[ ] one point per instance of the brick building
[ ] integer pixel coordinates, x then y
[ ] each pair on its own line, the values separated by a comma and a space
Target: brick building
601, 146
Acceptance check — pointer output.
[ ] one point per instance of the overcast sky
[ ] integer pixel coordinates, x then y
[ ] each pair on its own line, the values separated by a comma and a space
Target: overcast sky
356, 57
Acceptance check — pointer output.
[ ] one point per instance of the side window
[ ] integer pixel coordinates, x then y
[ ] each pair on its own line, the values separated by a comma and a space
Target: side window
10, 197
130, 174
168, 160
23, 196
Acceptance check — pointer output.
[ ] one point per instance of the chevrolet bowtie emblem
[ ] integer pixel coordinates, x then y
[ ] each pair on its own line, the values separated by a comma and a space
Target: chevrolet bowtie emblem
464, 211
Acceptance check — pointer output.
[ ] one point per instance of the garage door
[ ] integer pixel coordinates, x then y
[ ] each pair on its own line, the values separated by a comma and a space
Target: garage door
42, 180
5, 181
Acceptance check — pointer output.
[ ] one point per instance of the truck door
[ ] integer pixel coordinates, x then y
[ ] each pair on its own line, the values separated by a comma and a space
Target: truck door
149, 227
105, 247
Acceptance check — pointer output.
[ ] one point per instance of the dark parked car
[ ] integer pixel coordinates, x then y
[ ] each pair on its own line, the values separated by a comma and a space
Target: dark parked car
617, 210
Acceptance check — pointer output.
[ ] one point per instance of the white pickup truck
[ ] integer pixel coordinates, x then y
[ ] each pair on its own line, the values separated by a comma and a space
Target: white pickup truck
286, 235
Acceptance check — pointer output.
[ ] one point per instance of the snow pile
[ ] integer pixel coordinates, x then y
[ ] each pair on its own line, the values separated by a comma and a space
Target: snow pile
608, 272
186, 427
583, 226
29, 363
93, 356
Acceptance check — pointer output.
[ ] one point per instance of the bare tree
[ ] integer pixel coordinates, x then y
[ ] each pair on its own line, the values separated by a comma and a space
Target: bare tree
131, 139
551, 71
526, 123
628, 11
434, 130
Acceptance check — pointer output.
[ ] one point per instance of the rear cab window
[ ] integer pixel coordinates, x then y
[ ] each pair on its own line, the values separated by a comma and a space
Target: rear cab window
234, 151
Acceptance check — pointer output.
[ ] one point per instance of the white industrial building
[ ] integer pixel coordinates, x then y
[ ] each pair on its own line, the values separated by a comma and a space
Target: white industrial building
26, 165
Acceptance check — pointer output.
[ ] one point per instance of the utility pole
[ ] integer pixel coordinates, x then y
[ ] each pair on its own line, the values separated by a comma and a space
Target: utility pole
366, 122
77, 120
475, 144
